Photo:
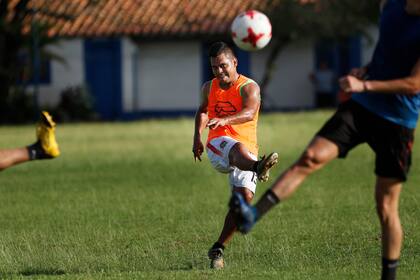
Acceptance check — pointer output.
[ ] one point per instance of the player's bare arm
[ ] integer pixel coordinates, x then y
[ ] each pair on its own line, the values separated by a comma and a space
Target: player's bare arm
201, 119
251, 104
409, 85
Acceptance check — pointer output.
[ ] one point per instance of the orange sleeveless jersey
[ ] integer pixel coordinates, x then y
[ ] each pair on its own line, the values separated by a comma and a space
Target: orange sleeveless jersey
223, 103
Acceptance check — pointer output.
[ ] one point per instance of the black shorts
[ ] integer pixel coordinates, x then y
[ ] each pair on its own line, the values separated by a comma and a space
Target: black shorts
352, 125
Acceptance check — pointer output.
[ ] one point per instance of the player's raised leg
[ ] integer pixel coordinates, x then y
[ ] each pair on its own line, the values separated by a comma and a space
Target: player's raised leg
239, 156
10, 157
45, 147
319, 152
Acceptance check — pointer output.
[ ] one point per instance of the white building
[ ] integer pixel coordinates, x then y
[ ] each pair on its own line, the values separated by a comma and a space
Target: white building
162, 70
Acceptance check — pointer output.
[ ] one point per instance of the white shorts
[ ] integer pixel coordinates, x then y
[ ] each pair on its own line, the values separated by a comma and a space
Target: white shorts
218, 152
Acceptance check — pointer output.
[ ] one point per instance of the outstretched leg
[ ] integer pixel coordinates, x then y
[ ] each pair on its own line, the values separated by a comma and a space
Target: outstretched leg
45, 147
10, 157
319, 152
387, 194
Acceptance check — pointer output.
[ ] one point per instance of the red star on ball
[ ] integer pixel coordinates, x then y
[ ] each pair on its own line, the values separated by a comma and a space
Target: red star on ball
252, 37
250, 13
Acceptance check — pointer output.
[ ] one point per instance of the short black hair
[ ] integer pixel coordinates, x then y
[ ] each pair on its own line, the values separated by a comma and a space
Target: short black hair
219, 48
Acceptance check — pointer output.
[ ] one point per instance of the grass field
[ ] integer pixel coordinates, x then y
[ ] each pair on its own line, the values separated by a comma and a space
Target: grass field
127, 201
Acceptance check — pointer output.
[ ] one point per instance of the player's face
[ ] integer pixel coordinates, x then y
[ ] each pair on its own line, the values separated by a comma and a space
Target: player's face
413, 7
224, 67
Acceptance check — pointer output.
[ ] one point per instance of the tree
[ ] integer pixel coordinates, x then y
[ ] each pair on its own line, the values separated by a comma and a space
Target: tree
9, 45
15, 17
294, 20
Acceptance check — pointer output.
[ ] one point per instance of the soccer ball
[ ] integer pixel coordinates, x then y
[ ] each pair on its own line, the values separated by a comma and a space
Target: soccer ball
251, 30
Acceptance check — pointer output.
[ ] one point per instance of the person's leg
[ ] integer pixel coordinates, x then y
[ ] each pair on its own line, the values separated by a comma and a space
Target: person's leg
229, 227
318, 153
240, 157
45, 147
217, 250
243, 183
387, 193
10, 157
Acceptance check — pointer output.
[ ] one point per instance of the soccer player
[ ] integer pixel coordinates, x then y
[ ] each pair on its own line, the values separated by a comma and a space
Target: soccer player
382, 112
45, 147
229, 108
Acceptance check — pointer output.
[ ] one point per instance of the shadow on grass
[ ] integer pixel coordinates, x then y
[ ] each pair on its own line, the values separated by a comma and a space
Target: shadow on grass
40, 271
184, 267
191, 265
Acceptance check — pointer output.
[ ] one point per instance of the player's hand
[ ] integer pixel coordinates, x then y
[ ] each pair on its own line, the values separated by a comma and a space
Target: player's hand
351, 84
358, 72
216, 122
197, 149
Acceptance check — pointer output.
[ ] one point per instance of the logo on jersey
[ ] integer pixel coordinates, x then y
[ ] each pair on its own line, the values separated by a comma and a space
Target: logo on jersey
224, 108
223, 144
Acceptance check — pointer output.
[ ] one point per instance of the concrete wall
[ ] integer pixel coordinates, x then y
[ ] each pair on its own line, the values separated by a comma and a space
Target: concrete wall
290, 86
368, 44
63, 75
168, 76
130, 79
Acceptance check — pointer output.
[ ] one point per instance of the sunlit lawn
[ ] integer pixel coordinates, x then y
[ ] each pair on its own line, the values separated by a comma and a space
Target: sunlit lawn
127, 201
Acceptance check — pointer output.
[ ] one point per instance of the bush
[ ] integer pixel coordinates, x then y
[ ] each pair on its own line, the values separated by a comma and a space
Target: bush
17, 106
76, 104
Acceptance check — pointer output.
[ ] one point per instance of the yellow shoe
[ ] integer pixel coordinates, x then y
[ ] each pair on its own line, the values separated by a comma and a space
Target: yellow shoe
45, 133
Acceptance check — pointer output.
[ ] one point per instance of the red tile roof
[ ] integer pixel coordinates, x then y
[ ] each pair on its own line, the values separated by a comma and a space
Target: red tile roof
143, 18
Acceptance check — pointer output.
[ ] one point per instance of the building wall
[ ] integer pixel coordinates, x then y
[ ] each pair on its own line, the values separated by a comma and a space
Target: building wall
167, 76
164, 76
290, 87
63, 75
368, 44
130, 78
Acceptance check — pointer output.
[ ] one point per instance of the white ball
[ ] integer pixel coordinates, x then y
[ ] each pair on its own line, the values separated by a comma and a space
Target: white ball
251, 30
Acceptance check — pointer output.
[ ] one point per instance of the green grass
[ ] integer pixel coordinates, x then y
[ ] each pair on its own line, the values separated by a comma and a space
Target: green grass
127, 201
